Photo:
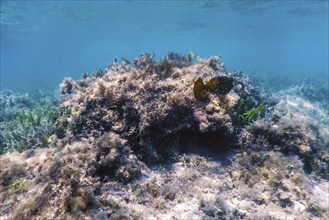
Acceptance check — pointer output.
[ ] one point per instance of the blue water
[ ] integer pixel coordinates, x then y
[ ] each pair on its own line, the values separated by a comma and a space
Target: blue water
44, 41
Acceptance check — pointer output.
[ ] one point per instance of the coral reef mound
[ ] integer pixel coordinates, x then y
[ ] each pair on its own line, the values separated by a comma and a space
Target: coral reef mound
133, 142
151, 106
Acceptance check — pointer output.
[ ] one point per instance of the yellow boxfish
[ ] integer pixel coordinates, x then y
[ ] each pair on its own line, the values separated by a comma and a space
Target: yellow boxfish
220, 85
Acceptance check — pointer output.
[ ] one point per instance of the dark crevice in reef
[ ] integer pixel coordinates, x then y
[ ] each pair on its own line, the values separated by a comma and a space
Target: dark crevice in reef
163, 139
105, 171
184, 141
214, 142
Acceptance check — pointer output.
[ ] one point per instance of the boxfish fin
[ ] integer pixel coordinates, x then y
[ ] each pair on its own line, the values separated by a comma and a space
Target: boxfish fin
212, 83
198, 89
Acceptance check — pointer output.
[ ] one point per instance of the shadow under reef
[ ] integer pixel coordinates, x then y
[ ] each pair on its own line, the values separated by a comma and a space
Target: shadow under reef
211, 146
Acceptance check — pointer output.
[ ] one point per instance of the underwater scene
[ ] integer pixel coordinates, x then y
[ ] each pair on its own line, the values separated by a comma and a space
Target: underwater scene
164, 110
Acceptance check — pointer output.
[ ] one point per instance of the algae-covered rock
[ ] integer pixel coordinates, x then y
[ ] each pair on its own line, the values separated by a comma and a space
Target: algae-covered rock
150, 105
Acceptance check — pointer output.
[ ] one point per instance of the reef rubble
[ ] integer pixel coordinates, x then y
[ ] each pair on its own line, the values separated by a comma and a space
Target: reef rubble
132, 142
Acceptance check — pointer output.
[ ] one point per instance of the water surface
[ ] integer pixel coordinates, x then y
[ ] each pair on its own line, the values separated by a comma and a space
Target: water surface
44, 41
